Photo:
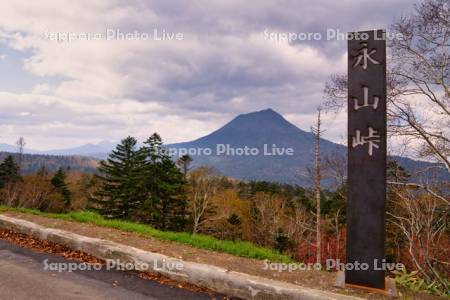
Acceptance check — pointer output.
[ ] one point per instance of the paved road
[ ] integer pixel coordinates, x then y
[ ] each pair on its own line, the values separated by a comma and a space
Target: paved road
22, 277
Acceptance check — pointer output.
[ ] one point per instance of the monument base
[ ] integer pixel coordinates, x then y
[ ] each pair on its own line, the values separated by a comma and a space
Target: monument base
390, 286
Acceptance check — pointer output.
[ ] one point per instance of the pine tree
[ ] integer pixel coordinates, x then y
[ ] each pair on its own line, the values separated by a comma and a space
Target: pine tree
59, 183
164, 183
121, 190
9, 171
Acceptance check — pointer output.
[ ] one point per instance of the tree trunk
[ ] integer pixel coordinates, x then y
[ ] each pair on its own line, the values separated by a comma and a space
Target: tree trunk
317, 179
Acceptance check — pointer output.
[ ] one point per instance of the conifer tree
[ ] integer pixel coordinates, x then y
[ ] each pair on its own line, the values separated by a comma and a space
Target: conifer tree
165, 202
120, 192
9, 171
59, 183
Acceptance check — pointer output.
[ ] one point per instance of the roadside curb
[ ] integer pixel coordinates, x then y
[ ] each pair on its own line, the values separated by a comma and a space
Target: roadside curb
218, 279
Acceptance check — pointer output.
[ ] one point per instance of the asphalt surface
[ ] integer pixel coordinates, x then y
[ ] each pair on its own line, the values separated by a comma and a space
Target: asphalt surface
23, 277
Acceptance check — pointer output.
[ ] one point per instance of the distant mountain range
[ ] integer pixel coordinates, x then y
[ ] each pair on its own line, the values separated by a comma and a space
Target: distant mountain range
266, 128
231, 150
99, 150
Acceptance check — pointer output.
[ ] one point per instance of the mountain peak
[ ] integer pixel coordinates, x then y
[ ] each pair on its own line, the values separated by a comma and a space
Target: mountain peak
268, 112
259, 130
266, 119
255, 128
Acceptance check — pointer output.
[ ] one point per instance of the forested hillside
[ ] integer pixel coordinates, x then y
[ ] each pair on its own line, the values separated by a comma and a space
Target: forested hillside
31, 163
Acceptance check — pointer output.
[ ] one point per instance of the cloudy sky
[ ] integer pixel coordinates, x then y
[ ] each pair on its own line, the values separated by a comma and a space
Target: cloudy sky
225, 60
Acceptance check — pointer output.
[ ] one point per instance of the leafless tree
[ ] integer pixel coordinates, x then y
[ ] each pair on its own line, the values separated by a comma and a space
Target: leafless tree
422, 220
21, 147
270, 213
300, 224
203, 187
317, 131
34, 191
9, 195
335, 170
418, 81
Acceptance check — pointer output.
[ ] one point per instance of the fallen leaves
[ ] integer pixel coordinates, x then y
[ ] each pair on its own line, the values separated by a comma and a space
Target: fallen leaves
44, 246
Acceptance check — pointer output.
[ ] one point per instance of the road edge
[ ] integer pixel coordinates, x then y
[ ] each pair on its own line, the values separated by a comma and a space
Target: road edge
218, 279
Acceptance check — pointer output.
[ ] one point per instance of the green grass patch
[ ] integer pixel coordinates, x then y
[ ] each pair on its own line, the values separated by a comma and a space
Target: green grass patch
237, 248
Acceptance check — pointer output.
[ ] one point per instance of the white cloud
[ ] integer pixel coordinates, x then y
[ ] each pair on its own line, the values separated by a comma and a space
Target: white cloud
182, 89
